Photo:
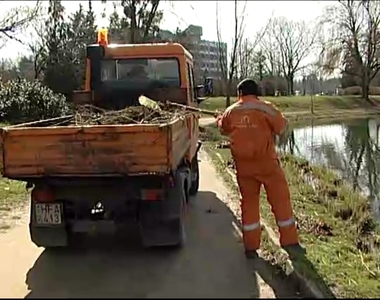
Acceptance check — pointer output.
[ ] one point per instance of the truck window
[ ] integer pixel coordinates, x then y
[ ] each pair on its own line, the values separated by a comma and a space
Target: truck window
162, 69
191, 81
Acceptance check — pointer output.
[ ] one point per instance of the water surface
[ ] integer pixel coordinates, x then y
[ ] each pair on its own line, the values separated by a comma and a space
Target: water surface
351, 148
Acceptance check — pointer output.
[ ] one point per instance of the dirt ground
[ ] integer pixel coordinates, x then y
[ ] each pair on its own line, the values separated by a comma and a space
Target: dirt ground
212, 265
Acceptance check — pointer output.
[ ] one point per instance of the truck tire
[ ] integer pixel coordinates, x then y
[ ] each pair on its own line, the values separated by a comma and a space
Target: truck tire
182, 194
182, 221
194, 181
165, 225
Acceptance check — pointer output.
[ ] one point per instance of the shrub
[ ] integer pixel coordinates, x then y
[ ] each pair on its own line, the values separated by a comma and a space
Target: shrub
25, 101
357, 90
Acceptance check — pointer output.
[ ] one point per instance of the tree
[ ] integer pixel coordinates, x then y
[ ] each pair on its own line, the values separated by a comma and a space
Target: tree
117, 26
239, 21
294, 41
56, 36
8, 70
82, 32
18, 19
354, 41
269, 48
36, 46
65, 51
258, 61
141, 19
245, 56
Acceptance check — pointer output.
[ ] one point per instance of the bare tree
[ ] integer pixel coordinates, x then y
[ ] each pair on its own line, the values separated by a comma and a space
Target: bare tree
143, 18
269, 48
141, 15
354, 41
36, 46
229, 72
294, 41
18, 19
248, 60
245, 56
268, 45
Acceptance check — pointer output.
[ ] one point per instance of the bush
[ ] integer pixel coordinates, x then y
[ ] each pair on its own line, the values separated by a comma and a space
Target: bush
25, 101
357, 90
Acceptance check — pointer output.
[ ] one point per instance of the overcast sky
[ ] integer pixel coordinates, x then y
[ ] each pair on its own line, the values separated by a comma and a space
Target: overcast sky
183, 13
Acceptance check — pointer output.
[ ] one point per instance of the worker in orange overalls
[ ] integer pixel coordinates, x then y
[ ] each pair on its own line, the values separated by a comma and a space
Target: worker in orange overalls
251, 125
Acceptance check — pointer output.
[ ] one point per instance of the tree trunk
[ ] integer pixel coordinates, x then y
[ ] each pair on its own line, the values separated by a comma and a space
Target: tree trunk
365, 89
228, 94
288, 85
291, 85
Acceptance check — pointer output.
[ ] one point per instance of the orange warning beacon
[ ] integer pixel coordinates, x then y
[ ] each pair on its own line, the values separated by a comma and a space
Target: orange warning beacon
102, 37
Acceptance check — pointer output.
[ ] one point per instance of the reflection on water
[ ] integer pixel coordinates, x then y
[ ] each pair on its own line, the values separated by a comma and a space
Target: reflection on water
351, 148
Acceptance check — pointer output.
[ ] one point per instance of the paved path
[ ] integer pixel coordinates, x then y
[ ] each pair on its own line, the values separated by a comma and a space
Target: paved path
212, 265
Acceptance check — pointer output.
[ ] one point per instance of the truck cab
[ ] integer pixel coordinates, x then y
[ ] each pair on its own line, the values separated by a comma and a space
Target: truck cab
117, 74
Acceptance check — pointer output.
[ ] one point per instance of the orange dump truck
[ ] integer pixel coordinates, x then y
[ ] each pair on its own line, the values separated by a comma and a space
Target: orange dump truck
104, 177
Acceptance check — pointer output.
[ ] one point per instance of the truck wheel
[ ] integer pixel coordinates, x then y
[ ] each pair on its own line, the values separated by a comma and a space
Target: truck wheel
194, 176
183, 198
163, 224
182, 221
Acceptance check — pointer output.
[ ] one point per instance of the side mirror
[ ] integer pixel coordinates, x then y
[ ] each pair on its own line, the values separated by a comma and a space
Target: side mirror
95, 54
200, 93
199, 90
200, 99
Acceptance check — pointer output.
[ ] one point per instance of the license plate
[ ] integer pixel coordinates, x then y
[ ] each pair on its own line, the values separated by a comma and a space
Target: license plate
48, 213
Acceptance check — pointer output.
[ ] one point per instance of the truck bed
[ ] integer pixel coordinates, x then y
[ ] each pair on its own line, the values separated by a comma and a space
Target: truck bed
100, 150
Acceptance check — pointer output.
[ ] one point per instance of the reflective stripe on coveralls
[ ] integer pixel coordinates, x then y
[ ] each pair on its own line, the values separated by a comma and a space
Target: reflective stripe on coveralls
285, 223
250, 227
251, 124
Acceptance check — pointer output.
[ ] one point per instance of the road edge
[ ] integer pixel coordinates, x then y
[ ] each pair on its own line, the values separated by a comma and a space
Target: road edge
306, 285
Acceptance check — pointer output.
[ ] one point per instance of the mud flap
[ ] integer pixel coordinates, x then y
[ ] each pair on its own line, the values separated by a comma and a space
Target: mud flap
47, 236
161, 223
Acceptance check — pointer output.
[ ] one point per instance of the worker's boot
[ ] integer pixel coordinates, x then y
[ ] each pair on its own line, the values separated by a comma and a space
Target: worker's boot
295, 250
251, 254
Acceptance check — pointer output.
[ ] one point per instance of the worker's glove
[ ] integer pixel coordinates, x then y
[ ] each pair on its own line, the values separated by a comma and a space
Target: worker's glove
276, 139
217, 114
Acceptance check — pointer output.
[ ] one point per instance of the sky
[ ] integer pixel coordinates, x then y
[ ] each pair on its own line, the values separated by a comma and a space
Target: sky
203, 13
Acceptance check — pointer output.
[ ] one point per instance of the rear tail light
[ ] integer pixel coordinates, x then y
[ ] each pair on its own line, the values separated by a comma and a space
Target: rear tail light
152, 195
42, 195
170, 182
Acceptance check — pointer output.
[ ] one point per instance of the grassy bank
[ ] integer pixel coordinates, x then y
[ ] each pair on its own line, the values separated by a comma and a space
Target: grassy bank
334, 222
12, 198
299, 107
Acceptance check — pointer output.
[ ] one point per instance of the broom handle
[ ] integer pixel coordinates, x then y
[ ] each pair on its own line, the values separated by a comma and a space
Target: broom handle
204, 111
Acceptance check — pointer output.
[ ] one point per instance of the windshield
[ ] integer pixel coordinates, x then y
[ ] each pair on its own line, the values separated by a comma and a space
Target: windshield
162, 69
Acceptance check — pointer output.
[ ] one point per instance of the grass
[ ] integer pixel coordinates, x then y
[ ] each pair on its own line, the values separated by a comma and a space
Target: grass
335, 226
301, 105
12, 196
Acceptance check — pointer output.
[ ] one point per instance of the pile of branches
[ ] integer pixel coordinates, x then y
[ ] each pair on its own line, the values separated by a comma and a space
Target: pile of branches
91, 115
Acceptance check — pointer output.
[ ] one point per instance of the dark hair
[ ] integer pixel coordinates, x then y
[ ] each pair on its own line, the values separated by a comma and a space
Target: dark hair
248, 87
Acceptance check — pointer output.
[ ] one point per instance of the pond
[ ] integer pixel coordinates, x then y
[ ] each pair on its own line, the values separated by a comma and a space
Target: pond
352, 148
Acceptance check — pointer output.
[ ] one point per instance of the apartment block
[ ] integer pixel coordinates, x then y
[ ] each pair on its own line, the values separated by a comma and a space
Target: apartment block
205, 53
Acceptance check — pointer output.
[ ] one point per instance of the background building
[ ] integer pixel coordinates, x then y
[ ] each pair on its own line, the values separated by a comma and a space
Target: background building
205, 53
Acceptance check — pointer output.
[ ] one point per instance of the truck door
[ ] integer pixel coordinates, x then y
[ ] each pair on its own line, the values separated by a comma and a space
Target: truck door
190, 84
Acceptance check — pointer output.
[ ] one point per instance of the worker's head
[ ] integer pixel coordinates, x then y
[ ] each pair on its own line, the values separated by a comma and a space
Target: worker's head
247, 87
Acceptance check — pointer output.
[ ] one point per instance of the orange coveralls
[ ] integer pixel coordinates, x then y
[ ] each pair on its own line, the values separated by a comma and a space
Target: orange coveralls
251, 125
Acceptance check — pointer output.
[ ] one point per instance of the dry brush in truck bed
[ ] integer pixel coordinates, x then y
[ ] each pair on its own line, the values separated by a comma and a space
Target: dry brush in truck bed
91, 115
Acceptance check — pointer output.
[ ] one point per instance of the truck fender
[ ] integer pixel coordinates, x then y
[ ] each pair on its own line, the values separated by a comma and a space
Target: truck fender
172, 203
199, 145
